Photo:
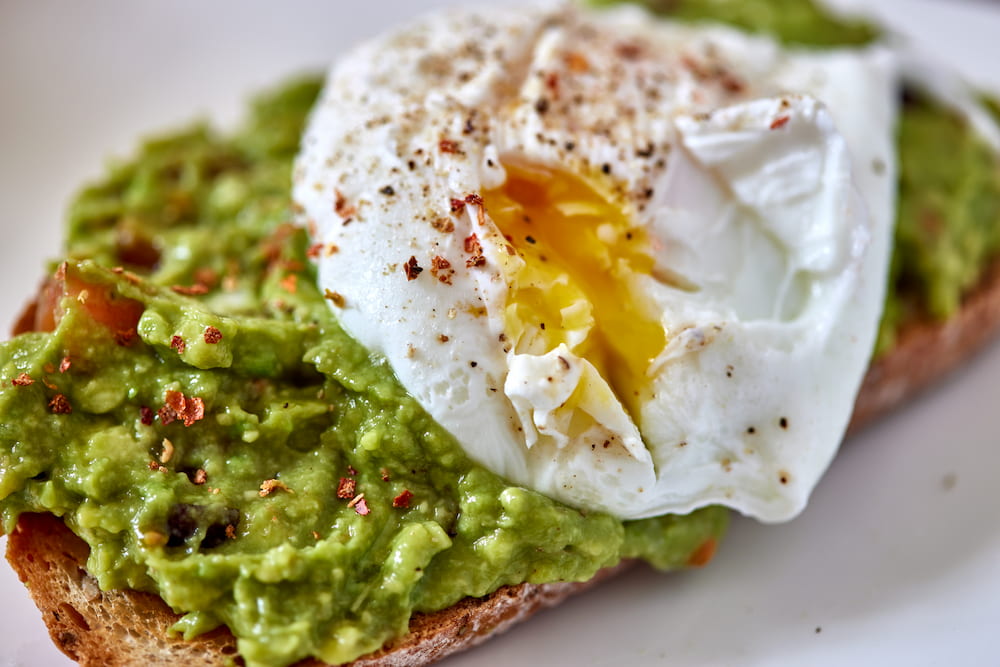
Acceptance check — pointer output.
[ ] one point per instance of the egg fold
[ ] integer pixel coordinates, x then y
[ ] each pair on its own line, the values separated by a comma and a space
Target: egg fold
633, 265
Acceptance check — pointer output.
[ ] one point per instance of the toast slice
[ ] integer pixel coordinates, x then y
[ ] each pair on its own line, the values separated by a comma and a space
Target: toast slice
129, 627
122, 628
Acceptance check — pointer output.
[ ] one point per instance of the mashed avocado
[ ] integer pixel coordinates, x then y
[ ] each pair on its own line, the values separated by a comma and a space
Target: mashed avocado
222, 442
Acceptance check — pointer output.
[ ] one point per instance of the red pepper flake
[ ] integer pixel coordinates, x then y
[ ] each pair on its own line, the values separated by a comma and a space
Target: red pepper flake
336, 297
448, 146
212, 335
200, 477
166, 415
23, 380
731, 84
576, 62
457, 205
346, 488
231, 532
146, 415
316, 536
65, 364
411, 268
177, 343
314, 250
445, 225
269, 486
359, 505
193, 290
628, 51
177, 406
59, 405
474, 248
477, 201
403, 499
125, 337
443, 338
779, 122
441, 269
341, 207
351, 471
384, 472
48, 384
49, 368
552, 83
290, 283
206, 276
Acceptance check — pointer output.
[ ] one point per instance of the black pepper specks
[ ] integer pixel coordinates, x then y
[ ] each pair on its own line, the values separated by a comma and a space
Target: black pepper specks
388, 191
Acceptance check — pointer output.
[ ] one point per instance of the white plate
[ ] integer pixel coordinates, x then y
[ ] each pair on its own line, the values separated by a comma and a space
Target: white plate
897, 559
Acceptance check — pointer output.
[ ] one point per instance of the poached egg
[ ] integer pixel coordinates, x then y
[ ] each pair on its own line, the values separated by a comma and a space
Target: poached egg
633, 265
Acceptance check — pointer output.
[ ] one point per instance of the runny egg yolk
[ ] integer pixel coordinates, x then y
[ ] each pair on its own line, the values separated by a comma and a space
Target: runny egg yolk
581, 254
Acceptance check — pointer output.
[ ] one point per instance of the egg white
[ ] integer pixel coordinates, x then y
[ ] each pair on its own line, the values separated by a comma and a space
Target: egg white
764, 179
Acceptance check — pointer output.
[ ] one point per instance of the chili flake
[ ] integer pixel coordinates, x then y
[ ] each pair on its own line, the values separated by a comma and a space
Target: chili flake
444, 225
457, 205
177, 406
779, 122
341, 207
346, 488
212, 335
125, 337
448, 146
336, 297
474, 248
411, 268
403, 499
146, 416
441, 269
23, 380
200, 477
177, 343
65, 364
360, 505
59, 405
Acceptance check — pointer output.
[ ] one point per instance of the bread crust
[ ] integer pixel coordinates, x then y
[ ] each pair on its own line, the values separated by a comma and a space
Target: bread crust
926, 351
120, 628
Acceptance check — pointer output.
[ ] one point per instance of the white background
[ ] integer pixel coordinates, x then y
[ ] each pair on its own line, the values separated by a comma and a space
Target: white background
895, 562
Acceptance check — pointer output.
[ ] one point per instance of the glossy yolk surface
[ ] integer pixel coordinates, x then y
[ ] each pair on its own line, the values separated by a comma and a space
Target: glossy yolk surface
581, 255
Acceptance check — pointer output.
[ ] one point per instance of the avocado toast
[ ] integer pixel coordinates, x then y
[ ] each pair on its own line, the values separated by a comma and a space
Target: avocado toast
221, 330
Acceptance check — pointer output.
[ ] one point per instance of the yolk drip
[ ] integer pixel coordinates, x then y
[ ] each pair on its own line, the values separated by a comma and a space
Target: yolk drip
580, 252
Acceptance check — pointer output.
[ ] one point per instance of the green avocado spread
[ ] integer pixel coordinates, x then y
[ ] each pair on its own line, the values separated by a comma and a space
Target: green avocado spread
183, 397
